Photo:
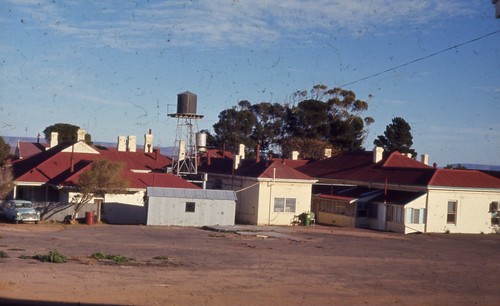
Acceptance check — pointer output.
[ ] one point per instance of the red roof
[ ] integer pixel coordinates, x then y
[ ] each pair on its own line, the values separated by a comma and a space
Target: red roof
398, 160
60, 168
397, 169
294, 163
463, 178
251, 168
143, 180
214, 153
279, 169
27, 149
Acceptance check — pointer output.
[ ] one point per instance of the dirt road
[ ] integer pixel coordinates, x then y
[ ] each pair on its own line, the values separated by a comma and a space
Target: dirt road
255, 266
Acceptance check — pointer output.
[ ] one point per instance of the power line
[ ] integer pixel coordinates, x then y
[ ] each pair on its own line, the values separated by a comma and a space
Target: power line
420, 59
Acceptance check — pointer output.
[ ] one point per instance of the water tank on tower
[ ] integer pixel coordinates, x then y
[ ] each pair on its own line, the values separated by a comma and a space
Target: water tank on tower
186, 103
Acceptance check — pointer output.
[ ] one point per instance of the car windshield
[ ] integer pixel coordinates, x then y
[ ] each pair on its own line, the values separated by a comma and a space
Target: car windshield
23, 205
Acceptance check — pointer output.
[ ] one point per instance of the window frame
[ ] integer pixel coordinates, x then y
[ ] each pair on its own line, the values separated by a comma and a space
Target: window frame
453, 213
285, 205
190, 207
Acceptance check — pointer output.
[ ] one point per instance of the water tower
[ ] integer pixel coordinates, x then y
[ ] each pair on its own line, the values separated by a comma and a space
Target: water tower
185, 154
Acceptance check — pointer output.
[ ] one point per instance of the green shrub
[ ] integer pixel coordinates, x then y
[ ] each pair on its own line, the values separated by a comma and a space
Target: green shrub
115, 258
3, 254
53, 256
163, 258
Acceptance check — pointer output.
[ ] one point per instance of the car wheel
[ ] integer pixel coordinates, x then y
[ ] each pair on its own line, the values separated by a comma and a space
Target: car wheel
36, 222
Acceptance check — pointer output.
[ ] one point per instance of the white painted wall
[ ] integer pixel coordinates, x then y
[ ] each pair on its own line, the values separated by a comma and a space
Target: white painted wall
283, 189
255, 202
473, 214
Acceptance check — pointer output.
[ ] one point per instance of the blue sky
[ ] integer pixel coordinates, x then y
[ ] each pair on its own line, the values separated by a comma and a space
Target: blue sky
116, 67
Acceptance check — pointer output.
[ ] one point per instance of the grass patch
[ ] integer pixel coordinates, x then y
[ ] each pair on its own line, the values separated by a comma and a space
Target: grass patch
3, 254
163, 258
17, 249
217, 235
53, 256
115, 258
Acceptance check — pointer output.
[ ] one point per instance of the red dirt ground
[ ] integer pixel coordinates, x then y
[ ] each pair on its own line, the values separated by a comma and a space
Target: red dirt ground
259, 266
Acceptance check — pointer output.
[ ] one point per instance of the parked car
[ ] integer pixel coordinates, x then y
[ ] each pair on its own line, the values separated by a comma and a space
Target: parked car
20, 211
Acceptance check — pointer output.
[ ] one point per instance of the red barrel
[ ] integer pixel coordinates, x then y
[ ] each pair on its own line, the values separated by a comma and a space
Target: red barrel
89, 217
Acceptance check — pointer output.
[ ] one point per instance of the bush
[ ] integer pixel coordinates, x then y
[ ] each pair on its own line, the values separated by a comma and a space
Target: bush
3, 254
53, 256
115, 258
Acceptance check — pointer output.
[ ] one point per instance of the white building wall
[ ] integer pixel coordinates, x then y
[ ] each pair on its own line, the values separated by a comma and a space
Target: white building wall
406, 226
247, 210
301, 192
256, 198
473, 214
124, 208
136, 198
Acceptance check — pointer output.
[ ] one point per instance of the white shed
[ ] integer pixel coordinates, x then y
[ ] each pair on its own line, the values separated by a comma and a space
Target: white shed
190, 207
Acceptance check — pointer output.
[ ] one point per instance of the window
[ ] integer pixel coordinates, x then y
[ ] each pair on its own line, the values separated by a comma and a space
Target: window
390, 213
372, 211
190, 206
416, 216
284, 204
493, 207
495, 214
452, 212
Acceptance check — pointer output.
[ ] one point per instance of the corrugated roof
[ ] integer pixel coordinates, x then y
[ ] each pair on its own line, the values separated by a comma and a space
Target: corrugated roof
27, 149
335, 197
209, 194
398, 197
398, 160
251, 168
397, 169
54, 167
143, 180
463, 178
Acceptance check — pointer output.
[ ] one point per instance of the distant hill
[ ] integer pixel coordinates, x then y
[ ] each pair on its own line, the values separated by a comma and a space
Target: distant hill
479, 167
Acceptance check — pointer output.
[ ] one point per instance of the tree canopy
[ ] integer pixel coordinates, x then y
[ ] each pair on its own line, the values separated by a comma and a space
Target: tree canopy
397, 137
67, 133
4, 151
311, 122
104, 177
6, 181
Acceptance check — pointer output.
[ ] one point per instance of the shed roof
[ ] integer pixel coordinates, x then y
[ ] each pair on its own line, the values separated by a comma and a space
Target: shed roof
209, 194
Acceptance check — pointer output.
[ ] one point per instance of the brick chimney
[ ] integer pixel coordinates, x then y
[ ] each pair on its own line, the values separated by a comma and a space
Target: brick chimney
378, 154
131, 143
328, 152
80, 135
425, 159
122, 144
241, 151
148, 142
53, 139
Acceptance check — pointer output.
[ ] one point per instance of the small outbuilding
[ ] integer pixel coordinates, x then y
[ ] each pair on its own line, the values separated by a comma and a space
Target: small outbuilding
190, 207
